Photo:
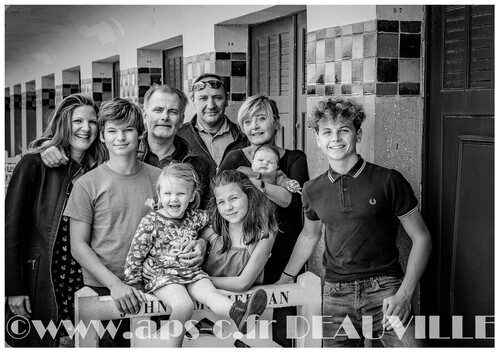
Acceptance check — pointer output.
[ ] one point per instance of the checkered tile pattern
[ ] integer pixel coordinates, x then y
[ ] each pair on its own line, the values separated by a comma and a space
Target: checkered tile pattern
374, 57
232, 67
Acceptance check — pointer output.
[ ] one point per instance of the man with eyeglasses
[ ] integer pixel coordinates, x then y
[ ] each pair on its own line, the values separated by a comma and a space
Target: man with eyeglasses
210, 134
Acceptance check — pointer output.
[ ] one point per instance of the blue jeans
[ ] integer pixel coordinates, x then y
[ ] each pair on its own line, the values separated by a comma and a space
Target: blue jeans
361, 301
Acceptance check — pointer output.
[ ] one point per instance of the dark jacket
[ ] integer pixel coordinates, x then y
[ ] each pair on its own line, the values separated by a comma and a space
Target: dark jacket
189, 133
34, 204
184, 154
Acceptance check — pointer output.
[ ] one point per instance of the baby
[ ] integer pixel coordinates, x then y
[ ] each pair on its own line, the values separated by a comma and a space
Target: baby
265, 167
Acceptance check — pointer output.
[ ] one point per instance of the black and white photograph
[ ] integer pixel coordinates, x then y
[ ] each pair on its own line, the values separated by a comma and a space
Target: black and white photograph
267, 175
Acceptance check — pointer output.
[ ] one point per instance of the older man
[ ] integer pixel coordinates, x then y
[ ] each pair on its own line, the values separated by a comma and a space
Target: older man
210, 133
163, 113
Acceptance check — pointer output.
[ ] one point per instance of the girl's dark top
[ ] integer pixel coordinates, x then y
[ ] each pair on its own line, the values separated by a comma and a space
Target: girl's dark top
294, 165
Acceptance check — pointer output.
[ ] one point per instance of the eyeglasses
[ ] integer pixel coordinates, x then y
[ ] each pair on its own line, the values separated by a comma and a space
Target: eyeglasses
198, 86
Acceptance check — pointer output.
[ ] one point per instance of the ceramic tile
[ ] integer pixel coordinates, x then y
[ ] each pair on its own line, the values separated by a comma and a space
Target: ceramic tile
357, 90
330, 49
222, 68
320, 34
338, 71
311, 74
97, 86
238, 56
409, 89
368, 88
347, 47
387, 70
357, 46
311, 52
410, 26
346, 89
320, 50
357, 70
346, 71
370, 26
387, 26
320, 73
369, 70
330, 72
238, 84
358, 28
387, 45
238, 68
338, 48
346, 30
387, 89
409, 45
329, 90
370, 45
409, 70
222, 56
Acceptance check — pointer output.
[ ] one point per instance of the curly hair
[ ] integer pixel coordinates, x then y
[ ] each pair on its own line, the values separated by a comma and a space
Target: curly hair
185, 172
260, 221
334, 109
59, 130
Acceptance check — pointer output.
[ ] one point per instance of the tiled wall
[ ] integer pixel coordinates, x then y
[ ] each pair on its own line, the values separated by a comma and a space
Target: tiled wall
232, 67
102, 89
129, 88
147, 77
368, 58
64, 90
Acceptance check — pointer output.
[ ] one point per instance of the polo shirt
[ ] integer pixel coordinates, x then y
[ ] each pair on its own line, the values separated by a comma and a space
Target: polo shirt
216, 143
361, 211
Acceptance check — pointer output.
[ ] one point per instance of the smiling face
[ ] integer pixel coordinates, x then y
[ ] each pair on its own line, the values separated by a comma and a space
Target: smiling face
83, 128
265, 161
175, 195
163, 115
338, 139
260, 128
232, 203
120, 139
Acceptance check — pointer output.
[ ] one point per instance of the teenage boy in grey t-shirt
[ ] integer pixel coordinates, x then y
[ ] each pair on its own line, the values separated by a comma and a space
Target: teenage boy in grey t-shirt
107, 204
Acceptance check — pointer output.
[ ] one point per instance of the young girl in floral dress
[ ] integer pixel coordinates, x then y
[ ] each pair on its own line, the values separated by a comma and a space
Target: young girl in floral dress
162, 235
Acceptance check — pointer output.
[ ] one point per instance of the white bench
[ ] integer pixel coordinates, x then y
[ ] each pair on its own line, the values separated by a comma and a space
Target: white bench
305, 295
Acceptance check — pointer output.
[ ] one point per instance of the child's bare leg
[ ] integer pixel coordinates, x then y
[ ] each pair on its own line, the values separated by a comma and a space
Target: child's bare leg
203, 291
178, 299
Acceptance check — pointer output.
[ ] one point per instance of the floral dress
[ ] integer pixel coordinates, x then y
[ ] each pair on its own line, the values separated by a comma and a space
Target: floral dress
163, 239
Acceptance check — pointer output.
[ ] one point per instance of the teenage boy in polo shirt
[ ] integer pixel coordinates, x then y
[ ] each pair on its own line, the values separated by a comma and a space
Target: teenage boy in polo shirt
361, 206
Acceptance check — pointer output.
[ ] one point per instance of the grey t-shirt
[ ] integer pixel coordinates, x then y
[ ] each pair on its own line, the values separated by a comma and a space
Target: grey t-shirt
113, 204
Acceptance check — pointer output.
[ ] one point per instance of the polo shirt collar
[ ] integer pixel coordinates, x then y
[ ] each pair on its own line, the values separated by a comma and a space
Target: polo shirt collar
224, 128
354, 172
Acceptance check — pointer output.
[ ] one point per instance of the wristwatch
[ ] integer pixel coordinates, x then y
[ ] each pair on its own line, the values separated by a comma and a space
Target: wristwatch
262, 186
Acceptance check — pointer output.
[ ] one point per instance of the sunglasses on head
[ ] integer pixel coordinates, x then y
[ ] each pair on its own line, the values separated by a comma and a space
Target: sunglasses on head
198, 86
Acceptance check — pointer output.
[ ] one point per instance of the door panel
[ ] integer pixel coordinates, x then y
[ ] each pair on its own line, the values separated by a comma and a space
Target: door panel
172, 67
458, 199
277, 71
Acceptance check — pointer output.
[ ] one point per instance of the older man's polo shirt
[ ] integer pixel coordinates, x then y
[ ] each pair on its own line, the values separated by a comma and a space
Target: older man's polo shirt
361, 211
